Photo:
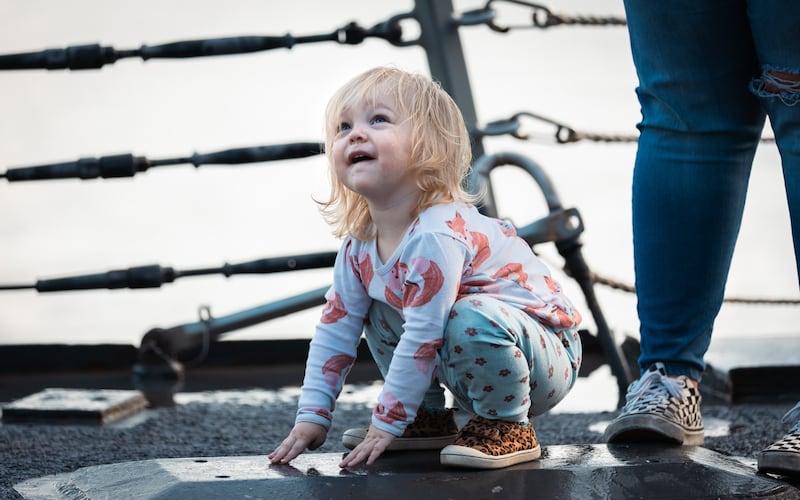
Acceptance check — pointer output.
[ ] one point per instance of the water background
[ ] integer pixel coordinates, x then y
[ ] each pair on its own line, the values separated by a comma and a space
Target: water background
193, 218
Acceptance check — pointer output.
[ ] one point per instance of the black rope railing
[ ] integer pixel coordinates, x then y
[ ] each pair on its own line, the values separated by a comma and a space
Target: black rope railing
625, 287
128, 165
564, 134
95, 56
540, 16
154, 275
628, 288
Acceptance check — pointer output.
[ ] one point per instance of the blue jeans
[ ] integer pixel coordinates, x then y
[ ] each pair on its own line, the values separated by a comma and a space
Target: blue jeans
706, 73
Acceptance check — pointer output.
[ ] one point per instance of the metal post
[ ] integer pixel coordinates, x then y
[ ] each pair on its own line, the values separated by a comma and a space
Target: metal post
442, 45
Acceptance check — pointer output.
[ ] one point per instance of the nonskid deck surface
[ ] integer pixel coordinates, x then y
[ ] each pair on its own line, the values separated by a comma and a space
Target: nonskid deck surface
209, 437
564, 471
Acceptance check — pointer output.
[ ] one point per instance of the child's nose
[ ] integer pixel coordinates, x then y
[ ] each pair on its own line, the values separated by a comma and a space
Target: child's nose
357, 133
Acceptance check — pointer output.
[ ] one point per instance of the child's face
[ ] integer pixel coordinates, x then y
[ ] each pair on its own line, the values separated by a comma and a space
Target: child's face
372, 152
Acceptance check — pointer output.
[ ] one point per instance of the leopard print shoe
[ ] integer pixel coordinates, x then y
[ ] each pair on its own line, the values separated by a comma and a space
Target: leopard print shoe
431, 430
491, 444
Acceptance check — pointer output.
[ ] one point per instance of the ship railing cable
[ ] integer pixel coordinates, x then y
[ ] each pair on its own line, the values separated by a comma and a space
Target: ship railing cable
128, 165
540, 15
563, 134
95, 56
154, 275
625, 287
628, 288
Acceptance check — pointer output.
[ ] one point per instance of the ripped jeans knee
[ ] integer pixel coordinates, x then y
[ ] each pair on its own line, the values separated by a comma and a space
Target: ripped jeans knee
780, 83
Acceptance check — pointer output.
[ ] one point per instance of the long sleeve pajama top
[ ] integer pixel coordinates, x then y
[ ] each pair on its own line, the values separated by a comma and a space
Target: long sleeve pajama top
449, 251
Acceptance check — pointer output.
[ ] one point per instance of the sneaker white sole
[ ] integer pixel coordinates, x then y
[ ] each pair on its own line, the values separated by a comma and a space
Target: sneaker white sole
353, 437
651, 428
462, 456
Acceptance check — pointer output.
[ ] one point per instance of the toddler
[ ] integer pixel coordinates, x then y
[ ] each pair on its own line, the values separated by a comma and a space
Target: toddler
444, 295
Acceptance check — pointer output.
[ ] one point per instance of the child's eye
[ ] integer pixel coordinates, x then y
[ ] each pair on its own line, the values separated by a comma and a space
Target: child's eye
379, 119
344, 126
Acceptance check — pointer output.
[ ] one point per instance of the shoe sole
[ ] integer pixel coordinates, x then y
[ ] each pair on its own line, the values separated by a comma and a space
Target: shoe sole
649, 429
462, 456
786, 463
353, 437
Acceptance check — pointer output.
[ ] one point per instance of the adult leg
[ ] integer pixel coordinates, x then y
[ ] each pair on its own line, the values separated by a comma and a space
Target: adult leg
699, 130
778, 88
777, 43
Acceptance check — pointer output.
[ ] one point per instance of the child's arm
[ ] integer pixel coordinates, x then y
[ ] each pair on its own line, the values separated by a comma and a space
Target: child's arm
331, 355
429, 284
431, 267
304, 436
333, 348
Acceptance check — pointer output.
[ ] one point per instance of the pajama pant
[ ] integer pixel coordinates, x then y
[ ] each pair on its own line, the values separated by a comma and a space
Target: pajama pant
497, 361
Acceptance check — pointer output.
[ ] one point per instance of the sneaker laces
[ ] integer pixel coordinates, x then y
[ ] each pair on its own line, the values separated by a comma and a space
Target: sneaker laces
653, 383
792, 415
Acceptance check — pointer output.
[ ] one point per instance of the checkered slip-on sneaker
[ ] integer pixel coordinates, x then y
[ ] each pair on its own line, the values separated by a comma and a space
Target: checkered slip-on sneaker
491, 444
431, 430
783, 456
659, 408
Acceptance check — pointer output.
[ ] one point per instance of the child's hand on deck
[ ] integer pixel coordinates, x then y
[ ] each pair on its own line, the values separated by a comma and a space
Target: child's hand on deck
304, 435
369, 449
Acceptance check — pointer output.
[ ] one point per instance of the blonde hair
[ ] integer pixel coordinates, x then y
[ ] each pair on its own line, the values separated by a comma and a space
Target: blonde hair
441, 151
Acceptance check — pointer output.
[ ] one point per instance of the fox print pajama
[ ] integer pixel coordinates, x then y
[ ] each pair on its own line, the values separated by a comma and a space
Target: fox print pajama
462, 300
496, 360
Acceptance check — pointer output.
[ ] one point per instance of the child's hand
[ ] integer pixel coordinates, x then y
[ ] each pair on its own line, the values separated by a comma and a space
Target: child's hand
370, 448
304, 435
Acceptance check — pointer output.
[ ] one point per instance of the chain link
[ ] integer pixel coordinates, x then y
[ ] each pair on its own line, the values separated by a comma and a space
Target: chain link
626, 287
589, 136
551, 19
543, 17
564, 134
618, 285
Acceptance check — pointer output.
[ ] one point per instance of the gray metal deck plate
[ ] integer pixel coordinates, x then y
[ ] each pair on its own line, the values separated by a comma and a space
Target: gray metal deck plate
75, 406
565, 471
